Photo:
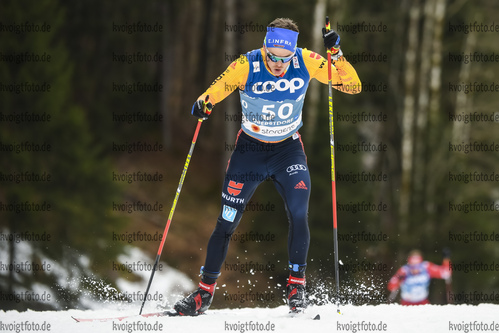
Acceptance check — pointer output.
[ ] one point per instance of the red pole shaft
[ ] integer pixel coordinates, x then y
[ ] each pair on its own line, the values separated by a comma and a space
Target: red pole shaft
333, 176
170, 217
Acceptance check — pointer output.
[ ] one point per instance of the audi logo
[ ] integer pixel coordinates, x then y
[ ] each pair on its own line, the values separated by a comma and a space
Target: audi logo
296, 167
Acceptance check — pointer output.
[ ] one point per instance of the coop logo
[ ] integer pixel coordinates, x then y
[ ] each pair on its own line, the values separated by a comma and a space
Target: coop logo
280, 85
234, 188
229, 213
293, 169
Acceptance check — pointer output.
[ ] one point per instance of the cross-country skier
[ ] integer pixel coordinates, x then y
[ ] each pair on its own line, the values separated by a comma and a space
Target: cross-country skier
272, 82
414, 278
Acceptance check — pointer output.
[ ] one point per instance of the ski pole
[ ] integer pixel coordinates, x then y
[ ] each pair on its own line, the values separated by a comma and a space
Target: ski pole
393, 296
181, 182
448, 281
333, 181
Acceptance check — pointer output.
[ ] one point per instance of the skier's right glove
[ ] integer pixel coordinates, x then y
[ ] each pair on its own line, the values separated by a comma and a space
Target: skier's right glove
202, 109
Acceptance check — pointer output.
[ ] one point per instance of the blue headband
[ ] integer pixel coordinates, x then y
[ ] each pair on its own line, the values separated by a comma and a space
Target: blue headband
281, 38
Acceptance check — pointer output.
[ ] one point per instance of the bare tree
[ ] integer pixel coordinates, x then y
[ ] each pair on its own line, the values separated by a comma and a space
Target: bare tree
409, 112
460, 130
167, 71
436, 163
423, 102
314, 88
231, 105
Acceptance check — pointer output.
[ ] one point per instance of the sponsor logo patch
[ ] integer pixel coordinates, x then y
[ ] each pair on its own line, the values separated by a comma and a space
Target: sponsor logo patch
256, 66
293, 169
229, 213
315, 55
280, 85
234, 188
301, 186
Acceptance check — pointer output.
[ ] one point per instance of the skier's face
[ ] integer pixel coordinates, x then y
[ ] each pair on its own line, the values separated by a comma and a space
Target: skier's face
414, 259
277, 68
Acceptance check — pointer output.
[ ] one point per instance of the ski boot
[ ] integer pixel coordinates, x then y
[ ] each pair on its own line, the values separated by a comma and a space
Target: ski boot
200, 300
197, 302
295, 289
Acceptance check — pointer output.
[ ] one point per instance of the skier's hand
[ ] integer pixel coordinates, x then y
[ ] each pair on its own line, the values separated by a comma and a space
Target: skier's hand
331, 41
202, 109
446, 253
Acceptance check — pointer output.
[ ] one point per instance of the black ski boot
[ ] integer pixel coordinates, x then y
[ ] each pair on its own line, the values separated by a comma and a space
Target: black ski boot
296, 294
197, 302
200, 300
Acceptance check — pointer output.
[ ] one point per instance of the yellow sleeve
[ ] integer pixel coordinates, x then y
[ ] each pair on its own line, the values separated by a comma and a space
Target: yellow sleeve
235, 76
344, 77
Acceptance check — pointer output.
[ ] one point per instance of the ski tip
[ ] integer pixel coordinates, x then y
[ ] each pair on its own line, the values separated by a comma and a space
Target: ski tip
76, 319
318, 317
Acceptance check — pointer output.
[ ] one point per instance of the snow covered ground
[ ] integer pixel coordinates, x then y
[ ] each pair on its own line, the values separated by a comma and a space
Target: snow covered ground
380, 318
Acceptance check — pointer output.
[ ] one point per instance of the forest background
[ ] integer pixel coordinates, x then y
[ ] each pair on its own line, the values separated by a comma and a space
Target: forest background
93, 92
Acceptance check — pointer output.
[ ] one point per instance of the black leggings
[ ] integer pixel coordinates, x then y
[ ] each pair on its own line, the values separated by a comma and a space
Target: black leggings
251, 163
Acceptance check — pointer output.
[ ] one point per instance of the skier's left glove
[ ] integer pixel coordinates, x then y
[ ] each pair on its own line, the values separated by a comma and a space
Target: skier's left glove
332, 42
202, 109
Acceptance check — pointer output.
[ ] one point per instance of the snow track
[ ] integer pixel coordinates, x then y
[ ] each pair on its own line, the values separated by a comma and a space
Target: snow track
380, 318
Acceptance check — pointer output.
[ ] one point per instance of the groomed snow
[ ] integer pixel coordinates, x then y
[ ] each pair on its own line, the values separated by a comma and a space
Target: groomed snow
380, 318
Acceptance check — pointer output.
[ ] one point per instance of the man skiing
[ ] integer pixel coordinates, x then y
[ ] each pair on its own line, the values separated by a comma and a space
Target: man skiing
414, 278
272, 83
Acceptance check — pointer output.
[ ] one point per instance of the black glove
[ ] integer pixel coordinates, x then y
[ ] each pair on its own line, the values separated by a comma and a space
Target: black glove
201, 109
331, 40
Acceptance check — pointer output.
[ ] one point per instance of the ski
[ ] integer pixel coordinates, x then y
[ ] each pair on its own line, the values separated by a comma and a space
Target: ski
294, 313
302, 315
169, 313
146, 315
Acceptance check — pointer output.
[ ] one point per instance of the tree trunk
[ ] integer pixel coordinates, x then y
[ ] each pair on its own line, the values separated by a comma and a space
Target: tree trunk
314, 87
166, 72
231, 103
408, 114
460, 130
389, 130
421, 142
436, 164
